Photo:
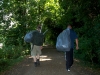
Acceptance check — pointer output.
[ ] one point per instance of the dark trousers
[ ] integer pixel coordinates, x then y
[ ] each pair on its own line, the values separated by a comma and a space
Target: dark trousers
69, 58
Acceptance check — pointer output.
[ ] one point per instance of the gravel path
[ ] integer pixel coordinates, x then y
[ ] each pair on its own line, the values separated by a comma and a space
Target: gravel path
52, 63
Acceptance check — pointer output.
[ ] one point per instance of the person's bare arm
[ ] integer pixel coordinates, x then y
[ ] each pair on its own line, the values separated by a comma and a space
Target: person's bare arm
76, 40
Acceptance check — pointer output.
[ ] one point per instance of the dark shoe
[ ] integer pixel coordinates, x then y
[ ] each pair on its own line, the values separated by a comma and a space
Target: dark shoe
38, 62
35, 63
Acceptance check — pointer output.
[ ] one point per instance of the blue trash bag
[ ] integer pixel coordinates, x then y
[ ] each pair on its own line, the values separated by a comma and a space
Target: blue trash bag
63, 42
35, 37
29, 37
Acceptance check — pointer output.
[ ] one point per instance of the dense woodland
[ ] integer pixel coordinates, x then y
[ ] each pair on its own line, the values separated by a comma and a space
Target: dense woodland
17, 17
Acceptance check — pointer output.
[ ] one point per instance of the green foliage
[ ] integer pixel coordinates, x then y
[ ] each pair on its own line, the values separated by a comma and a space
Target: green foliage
7, 63
89, 41
10, 55
17, 17
3, 64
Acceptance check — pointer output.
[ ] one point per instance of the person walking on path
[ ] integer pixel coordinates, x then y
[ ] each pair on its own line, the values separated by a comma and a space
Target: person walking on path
36, 47
69, 54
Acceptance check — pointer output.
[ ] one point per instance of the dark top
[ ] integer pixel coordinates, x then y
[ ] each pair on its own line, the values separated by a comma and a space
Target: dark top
38, 38
73, 36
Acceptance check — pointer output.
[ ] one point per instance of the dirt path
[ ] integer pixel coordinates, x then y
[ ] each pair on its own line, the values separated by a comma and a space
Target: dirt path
52, 63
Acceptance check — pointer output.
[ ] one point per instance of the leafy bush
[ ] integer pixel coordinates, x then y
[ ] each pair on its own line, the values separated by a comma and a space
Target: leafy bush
10, 55
4, 63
